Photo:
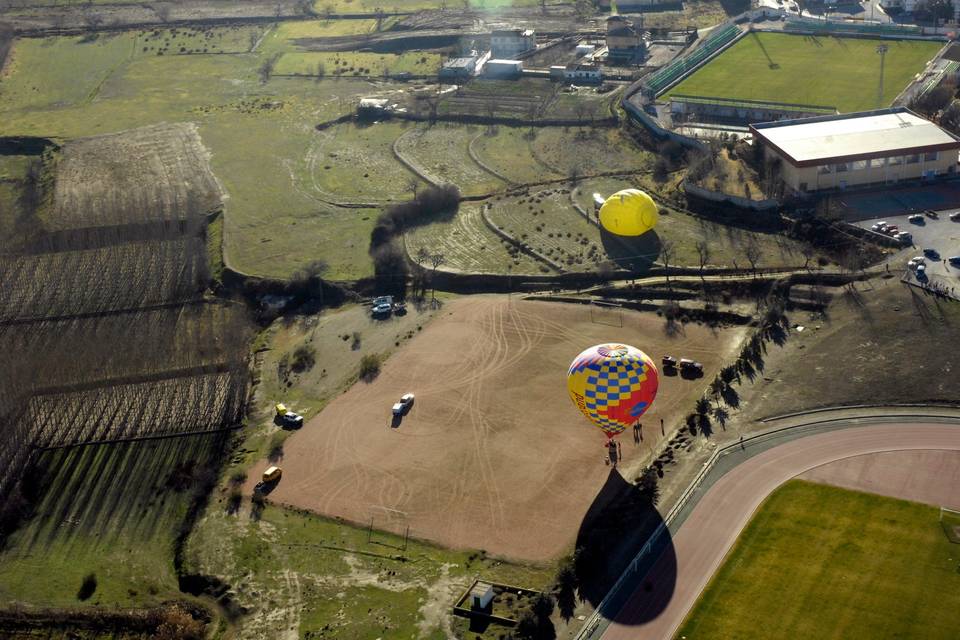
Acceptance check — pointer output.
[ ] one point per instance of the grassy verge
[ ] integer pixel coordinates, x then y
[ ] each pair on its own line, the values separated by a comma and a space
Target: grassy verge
312, 575
817, 562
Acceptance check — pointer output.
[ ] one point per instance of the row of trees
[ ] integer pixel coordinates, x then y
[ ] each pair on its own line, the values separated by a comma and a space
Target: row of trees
391, 268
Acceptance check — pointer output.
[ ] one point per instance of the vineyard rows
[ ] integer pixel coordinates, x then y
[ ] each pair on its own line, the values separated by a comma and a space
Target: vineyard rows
176, 405
104, 329
115, 278
125, 346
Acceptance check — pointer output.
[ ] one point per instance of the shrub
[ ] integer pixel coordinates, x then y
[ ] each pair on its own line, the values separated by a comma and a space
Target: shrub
369, 367
304, 357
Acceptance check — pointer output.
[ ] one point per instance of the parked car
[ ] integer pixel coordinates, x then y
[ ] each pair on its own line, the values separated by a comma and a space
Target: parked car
954, 260
921, 272
905, 237
891, 230
933, 254
291, 419
272, 474
690, 366
955, 216
881, 227
669, 362
399, 308
915, 219
382, 309
932, 214
875, 227
402, 407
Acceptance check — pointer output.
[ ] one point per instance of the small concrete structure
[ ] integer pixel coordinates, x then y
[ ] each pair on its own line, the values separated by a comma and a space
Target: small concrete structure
481, 595
503, 69
459, 68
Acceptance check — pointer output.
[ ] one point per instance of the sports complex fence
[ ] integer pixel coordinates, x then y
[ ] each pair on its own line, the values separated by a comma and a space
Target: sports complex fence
661, 80
828, 27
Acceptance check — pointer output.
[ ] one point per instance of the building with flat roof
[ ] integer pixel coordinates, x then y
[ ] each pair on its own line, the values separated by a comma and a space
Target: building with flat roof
879, 147
459, 67
505, 69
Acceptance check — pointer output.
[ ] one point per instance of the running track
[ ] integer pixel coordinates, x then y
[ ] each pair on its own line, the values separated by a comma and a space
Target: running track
724, 510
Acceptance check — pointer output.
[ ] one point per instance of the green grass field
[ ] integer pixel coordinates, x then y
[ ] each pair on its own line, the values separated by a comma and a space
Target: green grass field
113, 511
824, 71
822, 562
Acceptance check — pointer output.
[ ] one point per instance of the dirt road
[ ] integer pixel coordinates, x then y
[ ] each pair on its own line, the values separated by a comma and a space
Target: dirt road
714, 524
493, 454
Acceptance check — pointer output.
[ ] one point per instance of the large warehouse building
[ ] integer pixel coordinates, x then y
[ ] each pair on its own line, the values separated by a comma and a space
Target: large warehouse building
858, 149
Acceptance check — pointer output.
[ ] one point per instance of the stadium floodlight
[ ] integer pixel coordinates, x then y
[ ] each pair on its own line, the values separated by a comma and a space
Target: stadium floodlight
882, 50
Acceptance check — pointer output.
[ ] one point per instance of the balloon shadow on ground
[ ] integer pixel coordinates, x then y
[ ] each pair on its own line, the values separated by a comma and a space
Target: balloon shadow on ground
615, 528
634, 253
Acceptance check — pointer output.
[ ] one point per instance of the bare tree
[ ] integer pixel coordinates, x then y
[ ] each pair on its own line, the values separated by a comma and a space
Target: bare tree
321, 71
436, 260
266, 69
703, 254
667, 251
580, 108
413, 184
752, 252
808, 251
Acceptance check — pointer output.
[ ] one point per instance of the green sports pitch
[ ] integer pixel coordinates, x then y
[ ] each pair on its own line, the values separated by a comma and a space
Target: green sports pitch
813, 70
821, 562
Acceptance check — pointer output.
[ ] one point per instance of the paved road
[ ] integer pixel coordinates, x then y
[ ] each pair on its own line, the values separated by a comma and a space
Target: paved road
721, 514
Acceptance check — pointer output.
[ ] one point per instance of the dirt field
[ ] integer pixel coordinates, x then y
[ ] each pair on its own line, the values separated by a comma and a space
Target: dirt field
493, 454
919, 476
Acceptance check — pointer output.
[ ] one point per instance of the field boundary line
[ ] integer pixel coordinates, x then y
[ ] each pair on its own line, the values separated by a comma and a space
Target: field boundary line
483, 165
157, 436
595, 619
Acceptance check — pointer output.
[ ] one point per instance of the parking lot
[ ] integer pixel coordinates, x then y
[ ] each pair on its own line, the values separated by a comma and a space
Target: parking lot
937, 239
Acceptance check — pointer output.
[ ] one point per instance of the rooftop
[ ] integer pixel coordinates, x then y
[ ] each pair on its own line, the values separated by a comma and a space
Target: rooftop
807, 141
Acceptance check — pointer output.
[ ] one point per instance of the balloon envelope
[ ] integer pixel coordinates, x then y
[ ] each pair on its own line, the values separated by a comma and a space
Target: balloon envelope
612, 385
630, 212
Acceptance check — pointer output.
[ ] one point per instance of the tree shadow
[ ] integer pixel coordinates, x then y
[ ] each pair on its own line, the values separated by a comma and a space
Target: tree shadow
616, 526
634, 253
730, 396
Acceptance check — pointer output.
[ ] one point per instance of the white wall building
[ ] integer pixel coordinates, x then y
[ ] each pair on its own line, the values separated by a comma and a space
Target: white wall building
879, 147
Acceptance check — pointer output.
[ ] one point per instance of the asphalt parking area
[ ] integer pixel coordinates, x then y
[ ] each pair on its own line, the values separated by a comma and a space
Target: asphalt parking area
936, 239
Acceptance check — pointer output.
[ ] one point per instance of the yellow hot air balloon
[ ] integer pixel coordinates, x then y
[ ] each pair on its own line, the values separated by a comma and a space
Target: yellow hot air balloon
630, 212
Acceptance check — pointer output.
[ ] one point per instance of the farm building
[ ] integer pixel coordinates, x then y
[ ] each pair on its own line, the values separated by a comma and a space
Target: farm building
624, 40
459, 67
503, 69
510, 43
879, 147
578, 72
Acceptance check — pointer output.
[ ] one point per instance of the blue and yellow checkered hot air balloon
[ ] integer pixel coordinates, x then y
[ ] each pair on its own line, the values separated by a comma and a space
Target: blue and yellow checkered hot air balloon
612, 385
